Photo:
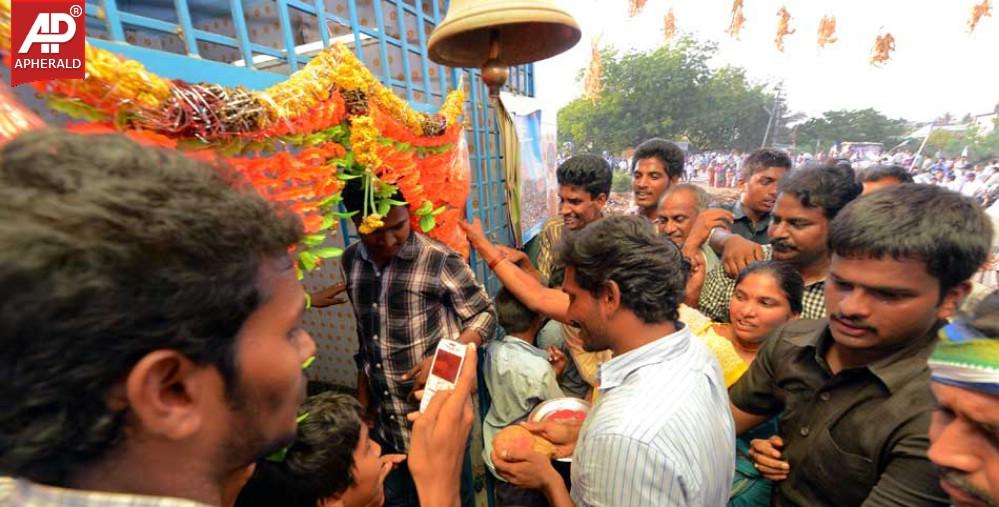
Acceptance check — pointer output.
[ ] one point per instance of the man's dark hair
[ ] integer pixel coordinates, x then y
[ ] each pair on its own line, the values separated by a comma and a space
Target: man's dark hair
649, 269
842, 162
512, 315
946, 230
825, 186
668, 153
589, 172
762, 159
880, 172
788, 279
108, 251
353, 197
318, 465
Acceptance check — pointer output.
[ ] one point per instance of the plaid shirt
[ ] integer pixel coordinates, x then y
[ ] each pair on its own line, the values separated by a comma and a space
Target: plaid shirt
716, 294
425, 293
24, 493
551, 234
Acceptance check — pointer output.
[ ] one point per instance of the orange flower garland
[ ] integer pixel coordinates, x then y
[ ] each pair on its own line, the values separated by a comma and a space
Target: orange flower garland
883, 47
345, 122
979, 10
783, 28
669, 25
827, 31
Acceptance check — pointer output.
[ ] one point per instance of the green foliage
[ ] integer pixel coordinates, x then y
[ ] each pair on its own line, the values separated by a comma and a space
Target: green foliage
862, 125
670, 92
981, 146
621, 181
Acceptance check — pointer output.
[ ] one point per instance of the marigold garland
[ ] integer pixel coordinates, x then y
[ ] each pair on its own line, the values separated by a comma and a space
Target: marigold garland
979, 10
783, 28
635, 7
343, 121
884, 45
827, 31
669, 25
738, 19
112, 82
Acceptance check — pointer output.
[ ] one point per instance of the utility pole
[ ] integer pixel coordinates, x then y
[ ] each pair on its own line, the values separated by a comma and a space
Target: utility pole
774, 115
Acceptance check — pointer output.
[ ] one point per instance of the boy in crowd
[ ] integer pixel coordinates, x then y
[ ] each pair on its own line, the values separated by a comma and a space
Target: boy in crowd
656, 164
759, 177
853, 390
519, 376
332, 463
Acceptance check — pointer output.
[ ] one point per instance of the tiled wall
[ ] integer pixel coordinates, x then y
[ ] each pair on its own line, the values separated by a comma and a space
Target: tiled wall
333, 330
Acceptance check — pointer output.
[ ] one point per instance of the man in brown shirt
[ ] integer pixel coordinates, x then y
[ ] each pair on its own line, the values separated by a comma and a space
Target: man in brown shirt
852, 391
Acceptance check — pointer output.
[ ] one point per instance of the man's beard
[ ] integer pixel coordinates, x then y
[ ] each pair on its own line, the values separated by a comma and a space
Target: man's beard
247, 443
960, 481
589, 345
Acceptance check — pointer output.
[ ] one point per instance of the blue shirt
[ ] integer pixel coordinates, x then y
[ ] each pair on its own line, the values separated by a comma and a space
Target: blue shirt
571, 382
661, 433
518, 376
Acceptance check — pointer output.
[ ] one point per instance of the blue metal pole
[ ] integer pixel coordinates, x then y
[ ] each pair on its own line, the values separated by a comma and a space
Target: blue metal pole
355, 29
321, 21
442, 69
382, 47
113, 20
289, 40
405, 50
184, 19
421, 23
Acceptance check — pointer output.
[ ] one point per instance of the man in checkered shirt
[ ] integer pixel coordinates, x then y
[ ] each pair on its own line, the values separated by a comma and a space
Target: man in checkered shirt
809, 199
408, 292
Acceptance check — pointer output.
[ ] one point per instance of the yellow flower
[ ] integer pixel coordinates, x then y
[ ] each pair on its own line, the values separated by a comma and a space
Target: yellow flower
4, 23
364, 141
302, 91
454, 105
350, 73
371, 223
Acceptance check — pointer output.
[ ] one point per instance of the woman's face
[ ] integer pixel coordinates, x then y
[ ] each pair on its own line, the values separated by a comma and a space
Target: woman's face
758, 307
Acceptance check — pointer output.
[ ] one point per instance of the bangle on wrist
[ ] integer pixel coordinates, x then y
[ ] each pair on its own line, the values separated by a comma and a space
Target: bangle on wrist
492, 264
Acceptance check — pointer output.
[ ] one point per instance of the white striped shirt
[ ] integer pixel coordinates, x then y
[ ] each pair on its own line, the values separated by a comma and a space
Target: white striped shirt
661, 432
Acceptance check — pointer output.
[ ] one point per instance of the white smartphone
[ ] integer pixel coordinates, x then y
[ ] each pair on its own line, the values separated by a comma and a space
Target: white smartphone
444, 371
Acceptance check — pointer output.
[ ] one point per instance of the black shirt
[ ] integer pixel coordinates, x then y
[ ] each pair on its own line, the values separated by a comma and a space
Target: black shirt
745, 227
858, 437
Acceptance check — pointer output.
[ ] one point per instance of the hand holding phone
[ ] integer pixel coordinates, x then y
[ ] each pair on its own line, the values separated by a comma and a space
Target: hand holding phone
444, 371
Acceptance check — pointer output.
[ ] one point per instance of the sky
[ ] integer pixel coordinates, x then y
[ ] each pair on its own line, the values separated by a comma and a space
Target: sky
938, 66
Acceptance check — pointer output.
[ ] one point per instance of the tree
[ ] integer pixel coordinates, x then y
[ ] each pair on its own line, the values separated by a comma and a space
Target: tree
672, 93
863, 125
981, 146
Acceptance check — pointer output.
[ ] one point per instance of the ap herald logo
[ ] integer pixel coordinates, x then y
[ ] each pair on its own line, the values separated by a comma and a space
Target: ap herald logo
47, 40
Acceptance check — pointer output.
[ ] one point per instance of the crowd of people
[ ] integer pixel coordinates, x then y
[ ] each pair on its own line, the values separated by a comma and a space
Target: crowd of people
978, 179
818, 342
